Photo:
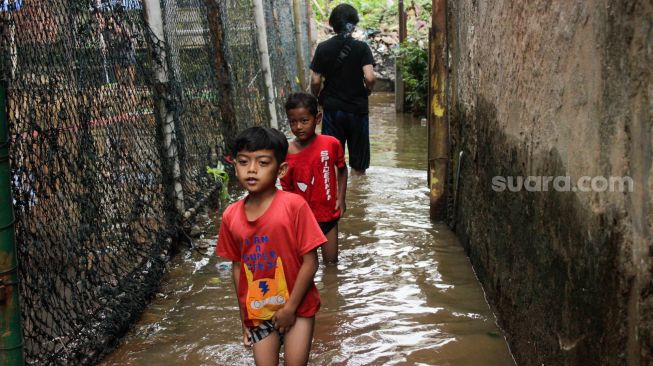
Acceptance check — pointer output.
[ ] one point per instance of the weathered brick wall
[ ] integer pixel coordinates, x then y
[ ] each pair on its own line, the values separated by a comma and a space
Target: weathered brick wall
558, 88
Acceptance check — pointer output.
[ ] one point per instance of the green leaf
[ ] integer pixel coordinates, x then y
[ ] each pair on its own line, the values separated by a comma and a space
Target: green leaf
219, 174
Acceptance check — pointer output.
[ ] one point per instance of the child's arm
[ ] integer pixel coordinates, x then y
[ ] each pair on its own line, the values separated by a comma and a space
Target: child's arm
369, 78
316, 83
342, 190
284, 318
235, 271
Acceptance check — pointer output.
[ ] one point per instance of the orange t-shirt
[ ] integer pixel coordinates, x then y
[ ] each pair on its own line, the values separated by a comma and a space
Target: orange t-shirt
270, 251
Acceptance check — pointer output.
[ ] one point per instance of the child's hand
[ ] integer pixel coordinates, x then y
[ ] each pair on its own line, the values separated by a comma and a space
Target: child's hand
246, 337
284, 319
342, 205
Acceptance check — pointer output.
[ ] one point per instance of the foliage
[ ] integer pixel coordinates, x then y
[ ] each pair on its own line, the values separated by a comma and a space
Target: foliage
220, 175
374, 14
413, 64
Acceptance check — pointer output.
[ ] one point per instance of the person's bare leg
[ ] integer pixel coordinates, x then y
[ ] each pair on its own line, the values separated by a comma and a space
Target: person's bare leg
297, 342
330, 248
357, 172
266, 351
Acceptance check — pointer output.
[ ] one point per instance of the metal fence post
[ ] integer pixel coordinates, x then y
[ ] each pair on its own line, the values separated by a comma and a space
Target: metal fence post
311, 30
297, 18
11, 333
400, 90
154, 19
262, 39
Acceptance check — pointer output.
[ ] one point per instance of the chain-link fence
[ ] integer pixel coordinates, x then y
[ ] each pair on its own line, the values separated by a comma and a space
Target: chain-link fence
103, 147
282, 52
245, 74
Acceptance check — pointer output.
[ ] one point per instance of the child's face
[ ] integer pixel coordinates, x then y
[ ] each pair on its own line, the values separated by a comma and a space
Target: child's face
303, 123
257, 171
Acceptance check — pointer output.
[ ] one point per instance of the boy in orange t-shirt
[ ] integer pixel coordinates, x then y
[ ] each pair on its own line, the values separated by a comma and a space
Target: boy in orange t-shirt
271, 237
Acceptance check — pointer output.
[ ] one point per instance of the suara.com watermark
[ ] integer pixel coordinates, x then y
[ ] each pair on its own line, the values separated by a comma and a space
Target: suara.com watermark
544, 183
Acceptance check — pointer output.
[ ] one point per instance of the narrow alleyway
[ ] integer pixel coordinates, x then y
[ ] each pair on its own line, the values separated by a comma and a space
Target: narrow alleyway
404, 292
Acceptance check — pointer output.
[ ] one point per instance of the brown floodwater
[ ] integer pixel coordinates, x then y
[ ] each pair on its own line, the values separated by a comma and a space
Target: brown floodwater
403, 293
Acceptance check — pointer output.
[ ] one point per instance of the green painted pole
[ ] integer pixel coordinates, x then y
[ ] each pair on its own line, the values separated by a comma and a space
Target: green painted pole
11, 334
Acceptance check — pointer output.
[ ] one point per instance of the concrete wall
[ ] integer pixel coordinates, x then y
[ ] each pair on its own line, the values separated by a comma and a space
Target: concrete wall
558, 88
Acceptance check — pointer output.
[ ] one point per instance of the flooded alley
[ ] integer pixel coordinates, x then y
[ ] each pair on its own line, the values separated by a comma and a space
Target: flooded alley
537, 143
403, 293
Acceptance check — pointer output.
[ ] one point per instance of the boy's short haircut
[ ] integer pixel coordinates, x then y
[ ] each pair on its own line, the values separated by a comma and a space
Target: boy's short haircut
341, 15
262, 138
302, 100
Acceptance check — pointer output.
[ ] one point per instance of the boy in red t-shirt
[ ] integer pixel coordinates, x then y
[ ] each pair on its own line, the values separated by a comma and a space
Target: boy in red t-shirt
271, 237
316, 169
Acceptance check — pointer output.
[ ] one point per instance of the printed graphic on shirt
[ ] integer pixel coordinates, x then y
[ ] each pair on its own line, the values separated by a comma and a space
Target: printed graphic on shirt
324, 160
266, 295
326, 169
264, 257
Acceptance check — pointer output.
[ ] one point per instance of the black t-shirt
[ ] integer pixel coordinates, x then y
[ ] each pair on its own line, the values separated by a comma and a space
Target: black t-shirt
344, 88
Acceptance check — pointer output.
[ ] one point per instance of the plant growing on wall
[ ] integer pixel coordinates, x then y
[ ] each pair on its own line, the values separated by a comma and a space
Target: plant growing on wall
413, 64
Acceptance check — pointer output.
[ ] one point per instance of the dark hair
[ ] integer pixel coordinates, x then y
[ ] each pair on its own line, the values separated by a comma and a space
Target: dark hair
341, 15
261, 138
302, 100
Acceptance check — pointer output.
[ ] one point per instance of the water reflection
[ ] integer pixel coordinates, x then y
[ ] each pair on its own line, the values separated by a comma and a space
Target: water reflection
397, 140
404, 292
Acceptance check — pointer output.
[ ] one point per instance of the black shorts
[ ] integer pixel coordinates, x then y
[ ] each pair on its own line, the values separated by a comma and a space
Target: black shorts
326, 226
352, 129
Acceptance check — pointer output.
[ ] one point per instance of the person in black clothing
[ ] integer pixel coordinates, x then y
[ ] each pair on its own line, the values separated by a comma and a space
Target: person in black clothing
342, 77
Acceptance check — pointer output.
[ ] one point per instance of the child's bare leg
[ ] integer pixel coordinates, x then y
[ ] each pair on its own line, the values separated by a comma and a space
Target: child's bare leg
330, 248
297, 342
266, 351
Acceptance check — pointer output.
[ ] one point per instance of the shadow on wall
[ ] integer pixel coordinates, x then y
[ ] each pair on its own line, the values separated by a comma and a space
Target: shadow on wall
552, 270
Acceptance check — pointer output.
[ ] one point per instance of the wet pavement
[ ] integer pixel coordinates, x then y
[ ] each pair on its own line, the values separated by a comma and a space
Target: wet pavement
403, 293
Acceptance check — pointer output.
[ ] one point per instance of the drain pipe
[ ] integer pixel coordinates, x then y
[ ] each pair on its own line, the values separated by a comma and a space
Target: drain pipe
456, 194
262, 38
11, 333
438, 131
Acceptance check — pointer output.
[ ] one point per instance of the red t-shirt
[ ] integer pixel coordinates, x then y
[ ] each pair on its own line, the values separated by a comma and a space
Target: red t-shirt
312, 174
270, 251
